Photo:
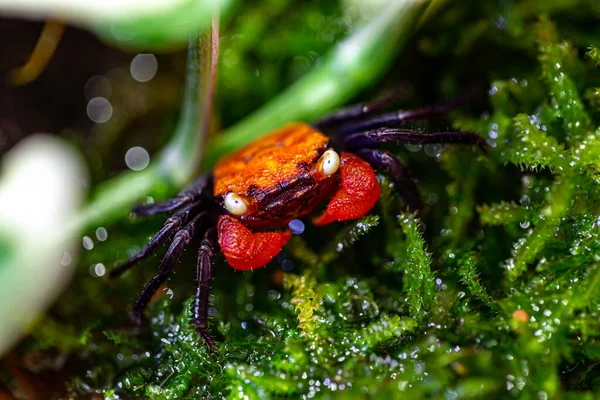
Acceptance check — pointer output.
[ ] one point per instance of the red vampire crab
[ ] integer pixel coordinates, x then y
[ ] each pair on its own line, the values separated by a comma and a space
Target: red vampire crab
278, 178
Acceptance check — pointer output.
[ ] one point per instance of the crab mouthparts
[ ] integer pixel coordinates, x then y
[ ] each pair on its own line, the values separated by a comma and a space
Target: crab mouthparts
288, 193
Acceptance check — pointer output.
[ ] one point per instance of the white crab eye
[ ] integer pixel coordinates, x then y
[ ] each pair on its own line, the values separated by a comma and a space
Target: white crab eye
235, 204
330, 162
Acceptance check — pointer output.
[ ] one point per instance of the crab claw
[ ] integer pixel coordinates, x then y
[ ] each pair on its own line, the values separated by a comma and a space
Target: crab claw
356, 195
245, 250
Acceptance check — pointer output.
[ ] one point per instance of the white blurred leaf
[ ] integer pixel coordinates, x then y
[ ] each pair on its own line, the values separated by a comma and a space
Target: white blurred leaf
42, 184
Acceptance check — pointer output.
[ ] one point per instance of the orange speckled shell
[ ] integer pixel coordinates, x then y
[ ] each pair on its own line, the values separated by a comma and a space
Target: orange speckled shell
271, 161
276, 175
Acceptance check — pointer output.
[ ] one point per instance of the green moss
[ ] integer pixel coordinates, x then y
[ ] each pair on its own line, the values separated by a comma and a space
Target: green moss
414, 264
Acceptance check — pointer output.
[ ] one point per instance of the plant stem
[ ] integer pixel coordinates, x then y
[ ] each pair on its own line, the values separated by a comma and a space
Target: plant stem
177, 163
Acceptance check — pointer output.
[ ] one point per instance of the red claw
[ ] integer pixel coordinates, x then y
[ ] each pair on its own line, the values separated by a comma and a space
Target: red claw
245, 250
355, 196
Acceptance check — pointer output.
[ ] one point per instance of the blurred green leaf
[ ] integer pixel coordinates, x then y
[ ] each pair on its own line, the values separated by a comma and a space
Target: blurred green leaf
151, 25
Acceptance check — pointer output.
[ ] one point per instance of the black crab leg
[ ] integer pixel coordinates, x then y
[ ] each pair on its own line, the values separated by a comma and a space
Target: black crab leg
182, 238
170, 226
355, 111
399, 117
383, 159
186, 196
374, 138
203, 276
394, 118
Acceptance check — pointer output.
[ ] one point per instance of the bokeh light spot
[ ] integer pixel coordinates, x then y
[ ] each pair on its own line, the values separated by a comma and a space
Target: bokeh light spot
137, 158
97, 270
87, 243
99, 110
143, 67
101, 233
97, 86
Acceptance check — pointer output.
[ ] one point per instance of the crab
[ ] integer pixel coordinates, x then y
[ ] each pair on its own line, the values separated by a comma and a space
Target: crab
245, 204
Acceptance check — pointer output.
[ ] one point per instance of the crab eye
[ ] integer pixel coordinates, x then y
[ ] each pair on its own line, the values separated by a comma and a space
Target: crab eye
235, 204
330, 162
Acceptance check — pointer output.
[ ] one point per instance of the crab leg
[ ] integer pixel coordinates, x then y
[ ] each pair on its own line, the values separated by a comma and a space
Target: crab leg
356, 111
203, 274
182, 238
383, 159
170, 226
398, 117
244, 249
192, 192
395, 135
346, 115
357, 193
